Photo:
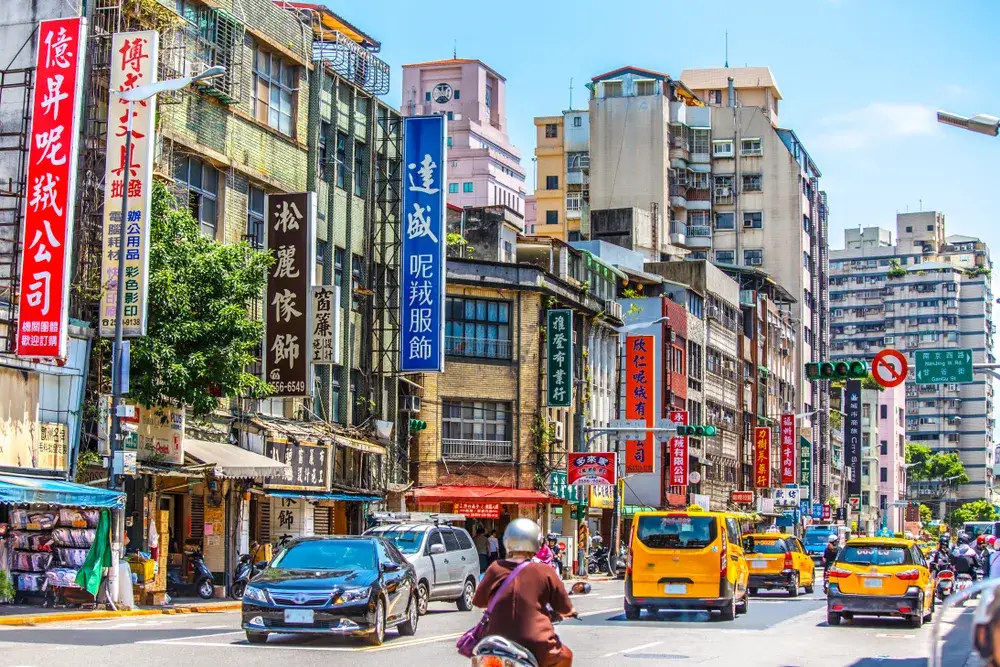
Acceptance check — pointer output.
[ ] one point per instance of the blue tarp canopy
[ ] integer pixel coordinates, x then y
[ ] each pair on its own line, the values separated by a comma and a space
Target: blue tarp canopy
306, 495
16, 490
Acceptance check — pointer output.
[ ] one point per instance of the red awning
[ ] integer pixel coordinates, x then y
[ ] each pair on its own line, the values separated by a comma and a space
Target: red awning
496, 494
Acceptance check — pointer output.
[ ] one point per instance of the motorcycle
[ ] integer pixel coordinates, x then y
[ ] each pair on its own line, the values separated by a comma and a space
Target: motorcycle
199, 582
962, 583
246, 569
945, 583
495, 650
600, 562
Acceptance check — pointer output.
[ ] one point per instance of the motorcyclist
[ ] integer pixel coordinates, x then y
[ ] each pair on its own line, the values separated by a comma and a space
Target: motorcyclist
965, 557
523, 612
832, 549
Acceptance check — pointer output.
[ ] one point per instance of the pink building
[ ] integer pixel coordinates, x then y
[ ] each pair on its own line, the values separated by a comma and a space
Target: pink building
530, 214
892, 454
484, 168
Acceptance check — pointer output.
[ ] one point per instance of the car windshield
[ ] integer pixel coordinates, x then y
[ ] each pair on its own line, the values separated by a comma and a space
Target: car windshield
678, 531
874, 555
817, 536
761, 546
327, 555
407, 541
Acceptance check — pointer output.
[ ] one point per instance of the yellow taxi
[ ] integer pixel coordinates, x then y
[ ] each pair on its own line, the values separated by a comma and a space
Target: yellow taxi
880, 576
686, 559
778, 560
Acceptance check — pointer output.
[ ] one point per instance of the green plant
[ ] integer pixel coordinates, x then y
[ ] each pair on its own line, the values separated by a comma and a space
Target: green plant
7, 590
895, 270
633, 310
943, 467
86, 459
630, 293
977, 510
979, 271
833, 502
458, 242
585, 287
925, 514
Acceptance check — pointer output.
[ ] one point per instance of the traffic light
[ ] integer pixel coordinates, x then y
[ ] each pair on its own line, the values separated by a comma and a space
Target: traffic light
417, 424
696, 431
837, 370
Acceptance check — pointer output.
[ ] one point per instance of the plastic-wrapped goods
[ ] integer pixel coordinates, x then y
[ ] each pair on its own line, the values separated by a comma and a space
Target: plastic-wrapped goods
72, 557
32, 520
30, 561
32, 583
31, 541
63, 577
19, 540
78, 538
73, 518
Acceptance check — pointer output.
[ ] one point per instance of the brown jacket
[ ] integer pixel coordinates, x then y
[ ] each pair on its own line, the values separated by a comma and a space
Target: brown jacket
520, 614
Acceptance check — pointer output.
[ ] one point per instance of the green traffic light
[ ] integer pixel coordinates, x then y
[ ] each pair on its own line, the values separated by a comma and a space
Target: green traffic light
858, 369
710, 431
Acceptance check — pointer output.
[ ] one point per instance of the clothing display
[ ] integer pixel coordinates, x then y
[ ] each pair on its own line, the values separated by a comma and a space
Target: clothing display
47, 548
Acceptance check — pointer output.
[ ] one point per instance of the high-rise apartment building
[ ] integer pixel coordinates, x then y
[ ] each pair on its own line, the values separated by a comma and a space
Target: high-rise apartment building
562, 184
892, 456
484, 167
929, 290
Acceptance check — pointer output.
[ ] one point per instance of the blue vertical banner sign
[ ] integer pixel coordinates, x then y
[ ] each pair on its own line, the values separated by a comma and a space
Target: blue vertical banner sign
422, 262
852, 435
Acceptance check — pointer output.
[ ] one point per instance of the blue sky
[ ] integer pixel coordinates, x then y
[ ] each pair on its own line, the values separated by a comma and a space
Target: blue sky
861, 80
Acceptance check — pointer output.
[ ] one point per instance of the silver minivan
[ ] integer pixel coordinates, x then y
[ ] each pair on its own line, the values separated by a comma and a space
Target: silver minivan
445, 558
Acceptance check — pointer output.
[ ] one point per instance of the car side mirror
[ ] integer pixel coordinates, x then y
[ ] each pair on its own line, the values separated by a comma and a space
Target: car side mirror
437, 549
748, 544
390, 567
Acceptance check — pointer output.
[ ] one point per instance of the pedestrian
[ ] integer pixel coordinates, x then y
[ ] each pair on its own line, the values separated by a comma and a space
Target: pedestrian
493, 546
483, 548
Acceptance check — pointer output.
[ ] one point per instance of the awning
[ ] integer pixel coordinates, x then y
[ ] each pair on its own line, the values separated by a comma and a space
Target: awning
360, 445
233, 462
495, 494
15, 490
306, 495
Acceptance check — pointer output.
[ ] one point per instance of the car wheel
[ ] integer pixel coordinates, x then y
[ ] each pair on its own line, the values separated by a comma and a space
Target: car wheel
465, 602
206, 589
753, 590
728, 613
377, 635
809, 589
632, 613
236, 592
256, 637
832, 618
744, 604
793, 587
408, 628
423, 598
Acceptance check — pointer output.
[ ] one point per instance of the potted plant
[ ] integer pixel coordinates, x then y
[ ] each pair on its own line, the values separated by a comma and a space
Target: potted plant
7, 590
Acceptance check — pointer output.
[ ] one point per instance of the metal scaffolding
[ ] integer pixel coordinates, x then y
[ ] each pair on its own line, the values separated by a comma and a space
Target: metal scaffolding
15, 100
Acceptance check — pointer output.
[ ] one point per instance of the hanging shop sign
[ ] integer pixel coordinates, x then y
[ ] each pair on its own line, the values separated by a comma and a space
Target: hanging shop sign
559, 352
291, 222
805, 468
473, 510
762, 457
591, 468
160, 433
134, 59
787, 449
679, 451
602, 496
51, 190
326, 325
423, 249
308, 465
852, 435
559, 488
741, 496
640, 400
53, 448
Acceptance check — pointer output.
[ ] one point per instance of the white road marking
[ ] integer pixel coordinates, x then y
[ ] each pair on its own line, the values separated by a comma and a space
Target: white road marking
599, 611
180, 640
193, 641
412, 642
611, 597
282, 647
631, 650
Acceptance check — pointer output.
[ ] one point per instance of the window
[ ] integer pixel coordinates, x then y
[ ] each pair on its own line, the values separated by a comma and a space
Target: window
450, 541
676, 360
753, 183
338, 266
930, 228
883, 475
884, 448
551, 182
909, 229
202, 181
805, 260
725, 256
884, 412
449, 142
753, 220
427, 96
551, 131
725, 220
612, 88
750, 147
574, 201
699, 141
464, 541
645, 87
694, 363
715, 97
577, 121
866, 411
475, 420
341, 158
274, 81
753, 257
696, 305
699, 181
322, 248
453, 188
255, 217
451, 115
357, 273
722, 148
467, 187
477, 328
552, 217
360, 170
324, 132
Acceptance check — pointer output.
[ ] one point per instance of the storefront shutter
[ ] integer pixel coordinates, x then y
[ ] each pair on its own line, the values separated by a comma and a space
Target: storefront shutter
322, 521
197, 517
264, 520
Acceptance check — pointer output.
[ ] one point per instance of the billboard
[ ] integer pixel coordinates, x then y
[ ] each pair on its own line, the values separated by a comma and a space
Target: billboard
787, 449
852, 435
597, 468
326, 325
559, 354
762, 457
679, 451
640, 401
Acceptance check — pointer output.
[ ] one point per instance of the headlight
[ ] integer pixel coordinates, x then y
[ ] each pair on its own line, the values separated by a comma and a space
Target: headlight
353, 595
255, 594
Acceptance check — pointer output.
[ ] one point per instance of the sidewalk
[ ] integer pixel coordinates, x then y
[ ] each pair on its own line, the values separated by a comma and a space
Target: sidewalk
14, 615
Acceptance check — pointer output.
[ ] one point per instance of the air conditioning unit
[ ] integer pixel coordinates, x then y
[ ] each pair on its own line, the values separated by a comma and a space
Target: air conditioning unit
559, 432
673, 336
755, 261
411, 403
723, 191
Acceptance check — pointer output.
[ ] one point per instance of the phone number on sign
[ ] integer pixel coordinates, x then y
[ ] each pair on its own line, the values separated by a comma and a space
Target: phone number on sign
285, 387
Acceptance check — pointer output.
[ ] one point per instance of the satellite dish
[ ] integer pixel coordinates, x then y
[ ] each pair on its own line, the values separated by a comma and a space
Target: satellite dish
694, 477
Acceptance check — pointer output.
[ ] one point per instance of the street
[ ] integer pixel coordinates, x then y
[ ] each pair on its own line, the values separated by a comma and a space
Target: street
776, 631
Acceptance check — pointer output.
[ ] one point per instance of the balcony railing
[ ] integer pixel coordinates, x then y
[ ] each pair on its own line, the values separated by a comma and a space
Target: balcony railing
699, 230
484, 348
476, 450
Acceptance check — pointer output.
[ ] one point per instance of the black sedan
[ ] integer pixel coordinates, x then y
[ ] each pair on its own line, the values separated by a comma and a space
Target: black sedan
355, 586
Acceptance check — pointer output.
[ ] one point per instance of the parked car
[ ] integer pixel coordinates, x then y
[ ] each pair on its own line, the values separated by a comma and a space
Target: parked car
333, 585
445, 559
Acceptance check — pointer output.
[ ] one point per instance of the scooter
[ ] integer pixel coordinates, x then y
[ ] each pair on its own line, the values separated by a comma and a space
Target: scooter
495, 650
945, 583
200, 582
600, 561
246, 570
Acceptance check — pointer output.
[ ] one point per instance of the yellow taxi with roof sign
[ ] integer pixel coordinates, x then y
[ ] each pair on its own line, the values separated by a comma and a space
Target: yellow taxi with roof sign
880, 576
778, 560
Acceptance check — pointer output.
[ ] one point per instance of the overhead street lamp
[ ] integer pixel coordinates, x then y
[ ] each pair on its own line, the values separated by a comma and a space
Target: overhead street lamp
981, 123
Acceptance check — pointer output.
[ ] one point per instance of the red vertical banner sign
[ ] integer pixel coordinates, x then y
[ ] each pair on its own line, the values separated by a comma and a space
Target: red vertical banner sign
788, 449
679, 451
51, 190
639, 400
762, 457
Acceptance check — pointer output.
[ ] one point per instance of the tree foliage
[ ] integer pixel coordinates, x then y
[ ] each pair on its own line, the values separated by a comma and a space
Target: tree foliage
976, 510
925, 514
201, 337
944, 467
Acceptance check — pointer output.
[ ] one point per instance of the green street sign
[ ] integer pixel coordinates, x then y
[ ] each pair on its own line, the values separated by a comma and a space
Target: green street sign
943, 366
560, 489
805, 468
130, 440
559, 353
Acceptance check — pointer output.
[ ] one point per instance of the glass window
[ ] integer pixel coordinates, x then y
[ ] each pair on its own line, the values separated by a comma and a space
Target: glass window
722, 148
202, 181
753, 219
467, 187
274, 81
725, 256
338, 266
435, 538
328, 555
577, 121
677, 531
407, 541
753, 257
458, 94
450, 541
551, 182
322, 248
551, 131
699, 141
475, 420
360, 169
464, 541
357, 271
477, 328
453, 188
750, 147
763, 546
874, 555
552, 217
341, 158
255, 217
753, 183
725, 220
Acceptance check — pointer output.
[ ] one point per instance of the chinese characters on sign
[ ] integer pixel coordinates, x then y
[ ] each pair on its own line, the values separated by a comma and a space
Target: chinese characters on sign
160, 433
51, 188
558, 487
640, 402
326, 325
852, 435
787, 449
762, 457
288, 334
559, 349
422, 258
597, 468
679, 451
53, 447
805, 468
477, 510
134, 57
308, 465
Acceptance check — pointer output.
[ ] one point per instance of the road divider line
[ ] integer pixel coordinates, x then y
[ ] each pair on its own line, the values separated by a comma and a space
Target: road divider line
599, 611
631, 650
611, 597
179, 640
412, 642
279, 647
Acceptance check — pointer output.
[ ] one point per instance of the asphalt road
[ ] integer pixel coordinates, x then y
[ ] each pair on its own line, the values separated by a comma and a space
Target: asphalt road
777, 631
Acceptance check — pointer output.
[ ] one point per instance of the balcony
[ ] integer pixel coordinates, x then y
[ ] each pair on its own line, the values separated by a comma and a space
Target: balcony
678, 232
724, 195
699, 237
482, 348
699, 199
678, 196
476, 450
576, 178
679, 148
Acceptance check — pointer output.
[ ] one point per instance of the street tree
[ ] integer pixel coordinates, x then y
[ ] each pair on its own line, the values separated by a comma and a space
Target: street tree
929, 466
201, 337
925, 514
976, 510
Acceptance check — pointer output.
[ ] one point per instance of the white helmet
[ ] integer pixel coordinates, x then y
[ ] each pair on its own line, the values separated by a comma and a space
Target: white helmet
832, 539
522, 535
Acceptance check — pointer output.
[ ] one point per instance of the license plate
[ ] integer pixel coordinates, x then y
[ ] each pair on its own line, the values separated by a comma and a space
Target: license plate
758, 564
299, 616
675, 589
873, 583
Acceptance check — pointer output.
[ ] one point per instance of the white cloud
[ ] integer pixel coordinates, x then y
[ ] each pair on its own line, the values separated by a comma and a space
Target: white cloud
876, 123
